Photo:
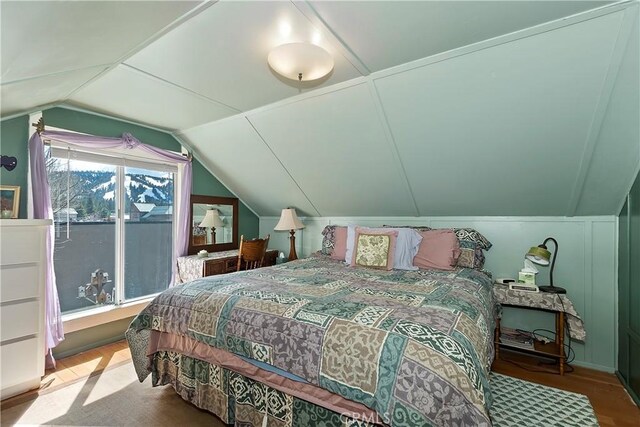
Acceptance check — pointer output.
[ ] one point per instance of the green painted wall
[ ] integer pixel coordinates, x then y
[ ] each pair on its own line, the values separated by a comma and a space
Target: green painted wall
629, 292
13, 142
15, 133
203, 181
86, 339
586, 265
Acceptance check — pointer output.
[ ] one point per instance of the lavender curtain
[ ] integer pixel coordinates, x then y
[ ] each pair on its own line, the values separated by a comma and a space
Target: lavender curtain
42, 210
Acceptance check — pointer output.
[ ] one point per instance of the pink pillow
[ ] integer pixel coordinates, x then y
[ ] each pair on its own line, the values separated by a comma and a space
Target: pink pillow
339, 244
439, 249
371, 252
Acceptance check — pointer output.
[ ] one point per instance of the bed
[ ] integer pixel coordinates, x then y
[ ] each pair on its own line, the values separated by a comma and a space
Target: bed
316, 342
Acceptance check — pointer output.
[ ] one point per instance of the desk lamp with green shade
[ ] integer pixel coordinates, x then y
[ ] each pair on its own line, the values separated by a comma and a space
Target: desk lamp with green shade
541, 256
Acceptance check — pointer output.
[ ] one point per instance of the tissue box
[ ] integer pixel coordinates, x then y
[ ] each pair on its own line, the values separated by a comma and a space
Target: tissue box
527, 277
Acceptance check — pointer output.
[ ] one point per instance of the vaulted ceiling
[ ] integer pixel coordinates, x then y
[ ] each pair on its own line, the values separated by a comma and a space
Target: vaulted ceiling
433, 108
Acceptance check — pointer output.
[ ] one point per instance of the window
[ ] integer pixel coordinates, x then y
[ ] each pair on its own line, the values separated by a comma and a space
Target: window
114, 223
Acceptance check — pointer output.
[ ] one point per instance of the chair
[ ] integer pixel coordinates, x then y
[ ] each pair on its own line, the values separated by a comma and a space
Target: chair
251, 253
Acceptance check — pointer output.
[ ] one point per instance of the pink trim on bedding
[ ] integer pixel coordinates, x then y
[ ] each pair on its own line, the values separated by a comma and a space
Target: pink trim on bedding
162, 341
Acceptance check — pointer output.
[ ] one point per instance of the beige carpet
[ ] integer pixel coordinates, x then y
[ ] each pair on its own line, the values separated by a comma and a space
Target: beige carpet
111, 398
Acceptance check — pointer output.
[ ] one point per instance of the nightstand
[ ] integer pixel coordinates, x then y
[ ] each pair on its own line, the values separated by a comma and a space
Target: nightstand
558, 304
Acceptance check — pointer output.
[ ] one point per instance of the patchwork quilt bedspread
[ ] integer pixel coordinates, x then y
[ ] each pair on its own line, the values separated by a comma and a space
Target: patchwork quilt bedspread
415, 346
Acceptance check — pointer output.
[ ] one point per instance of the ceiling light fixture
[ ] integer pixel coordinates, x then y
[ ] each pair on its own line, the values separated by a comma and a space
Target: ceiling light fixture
300, 61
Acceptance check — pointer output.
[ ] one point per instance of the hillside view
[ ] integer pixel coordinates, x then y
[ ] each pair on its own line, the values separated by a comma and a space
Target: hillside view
91, 193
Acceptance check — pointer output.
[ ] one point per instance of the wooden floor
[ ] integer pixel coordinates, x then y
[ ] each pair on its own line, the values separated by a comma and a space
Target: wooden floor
77, 367
611, 403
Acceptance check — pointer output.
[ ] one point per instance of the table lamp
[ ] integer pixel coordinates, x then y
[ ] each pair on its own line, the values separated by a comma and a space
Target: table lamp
212, 220
541, 256
289, 221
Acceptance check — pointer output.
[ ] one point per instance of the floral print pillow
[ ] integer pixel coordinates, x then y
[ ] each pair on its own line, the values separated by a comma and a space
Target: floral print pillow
374, 250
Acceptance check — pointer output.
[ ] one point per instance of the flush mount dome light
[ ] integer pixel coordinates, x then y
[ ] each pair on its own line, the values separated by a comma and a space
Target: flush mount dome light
300, 61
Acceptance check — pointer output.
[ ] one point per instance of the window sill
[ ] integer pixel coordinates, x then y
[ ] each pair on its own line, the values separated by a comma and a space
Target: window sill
73, 322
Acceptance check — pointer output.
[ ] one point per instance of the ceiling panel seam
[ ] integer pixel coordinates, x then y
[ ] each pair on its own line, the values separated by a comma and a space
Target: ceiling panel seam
281, 164
615, 61
54, 74
312, 15
176, 22
391, 141
287, 101
440, 57
504, 39
182, 88
198, 157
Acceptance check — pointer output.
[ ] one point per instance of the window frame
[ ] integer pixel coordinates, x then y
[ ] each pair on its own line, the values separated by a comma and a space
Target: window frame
120, 159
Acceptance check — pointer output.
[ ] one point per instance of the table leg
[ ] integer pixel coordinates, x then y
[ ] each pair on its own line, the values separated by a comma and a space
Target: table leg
496, 338
560, 338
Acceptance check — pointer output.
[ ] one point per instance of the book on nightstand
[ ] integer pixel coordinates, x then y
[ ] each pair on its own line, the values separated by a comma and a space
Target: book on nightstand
513, 338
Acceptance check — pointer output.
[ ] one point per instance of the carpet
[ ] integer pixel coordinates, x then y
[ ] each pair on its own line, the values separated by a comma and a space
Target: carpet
116, 398
522, 403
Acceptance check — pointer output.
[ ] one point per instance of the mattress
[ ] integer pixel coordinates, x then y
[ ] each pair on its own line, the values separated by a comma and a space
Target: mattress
414, 347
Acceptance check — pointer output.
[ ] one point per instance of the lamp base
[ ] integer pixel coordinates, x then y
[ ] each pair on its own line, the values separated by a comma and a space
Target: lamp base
552, 289
292, 249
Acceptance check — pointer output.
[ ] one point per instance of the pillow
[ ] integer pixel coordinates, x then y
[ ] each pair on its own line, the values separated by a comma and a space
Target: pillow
340, 244
439, 249
374, 248
472, 246
471, 256
471, 235
407, 244
413, 227
328, 240
351, 235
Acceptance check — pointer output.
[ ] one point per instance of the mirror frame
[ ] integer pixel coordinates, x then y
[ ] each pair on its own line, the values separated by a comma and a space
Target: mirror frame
213, 200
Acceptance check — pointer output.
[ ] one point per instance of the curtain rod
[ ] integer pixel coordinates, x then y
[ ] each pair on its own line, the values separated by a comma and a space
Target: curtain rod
39, 125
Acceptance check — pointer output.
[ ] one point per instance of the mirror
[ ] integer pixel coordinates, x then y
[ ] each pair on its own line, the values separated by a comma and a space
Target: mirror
214, 224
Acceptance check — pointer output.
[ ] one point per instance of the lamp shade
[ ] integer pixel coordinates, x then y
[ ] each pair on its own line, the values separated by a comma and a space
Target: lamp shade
289, 220
300, 61
539, 255
212, 219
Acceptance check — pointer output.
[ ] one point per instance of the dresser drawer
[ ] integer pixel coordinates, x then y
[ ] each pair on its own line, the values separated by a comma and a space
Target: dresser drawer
231, 265
20, 246
19, 362
211, 268
19, 320
19, 282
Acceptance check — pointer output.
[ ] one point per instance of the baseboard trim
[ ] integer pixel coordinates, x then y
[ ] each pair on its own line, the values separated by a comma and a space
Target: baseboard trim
594, 366
89, 346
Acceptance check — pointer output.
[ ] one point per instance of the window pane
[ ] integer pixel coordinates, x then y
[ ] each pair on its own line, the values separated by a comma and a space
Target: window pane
148, 231
85, 232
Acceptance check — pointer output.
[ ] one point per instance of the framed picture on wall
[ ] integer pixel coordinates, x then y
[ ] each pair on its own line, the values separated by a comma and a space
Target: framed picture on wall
9, 201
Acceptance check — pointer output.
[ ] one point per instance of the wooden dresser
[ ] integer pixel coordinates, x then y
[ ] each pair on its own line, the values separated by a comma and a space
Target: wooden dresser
193, 267
22, 266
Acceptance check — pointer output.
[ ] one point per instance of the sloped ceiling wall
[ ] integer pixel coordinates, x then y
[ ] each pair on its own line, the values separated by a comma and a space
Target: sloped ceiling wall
433, 108
510, 128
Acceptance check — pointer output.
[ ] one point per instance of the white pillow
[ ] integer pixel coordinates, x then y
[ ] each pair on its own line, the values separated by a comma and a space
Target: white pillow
351, 241
407, 245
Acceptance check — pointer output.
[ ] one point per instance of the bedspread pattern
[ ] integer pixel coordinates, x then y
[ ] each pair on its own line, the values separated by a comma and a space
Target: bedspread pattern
414, 346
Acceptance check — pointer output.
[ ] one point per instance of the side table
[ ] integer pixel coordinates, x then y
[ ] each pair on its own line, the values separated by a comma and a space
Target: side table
563, 310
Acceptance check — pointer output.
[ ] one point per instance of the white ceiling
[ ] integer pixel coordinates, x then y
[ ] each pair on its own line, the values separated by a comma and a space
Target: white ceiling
433, 108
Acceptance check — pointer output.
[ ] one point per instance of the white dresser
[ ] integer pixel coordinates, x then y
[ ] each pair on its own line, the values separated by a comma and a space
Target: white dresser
22, 263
